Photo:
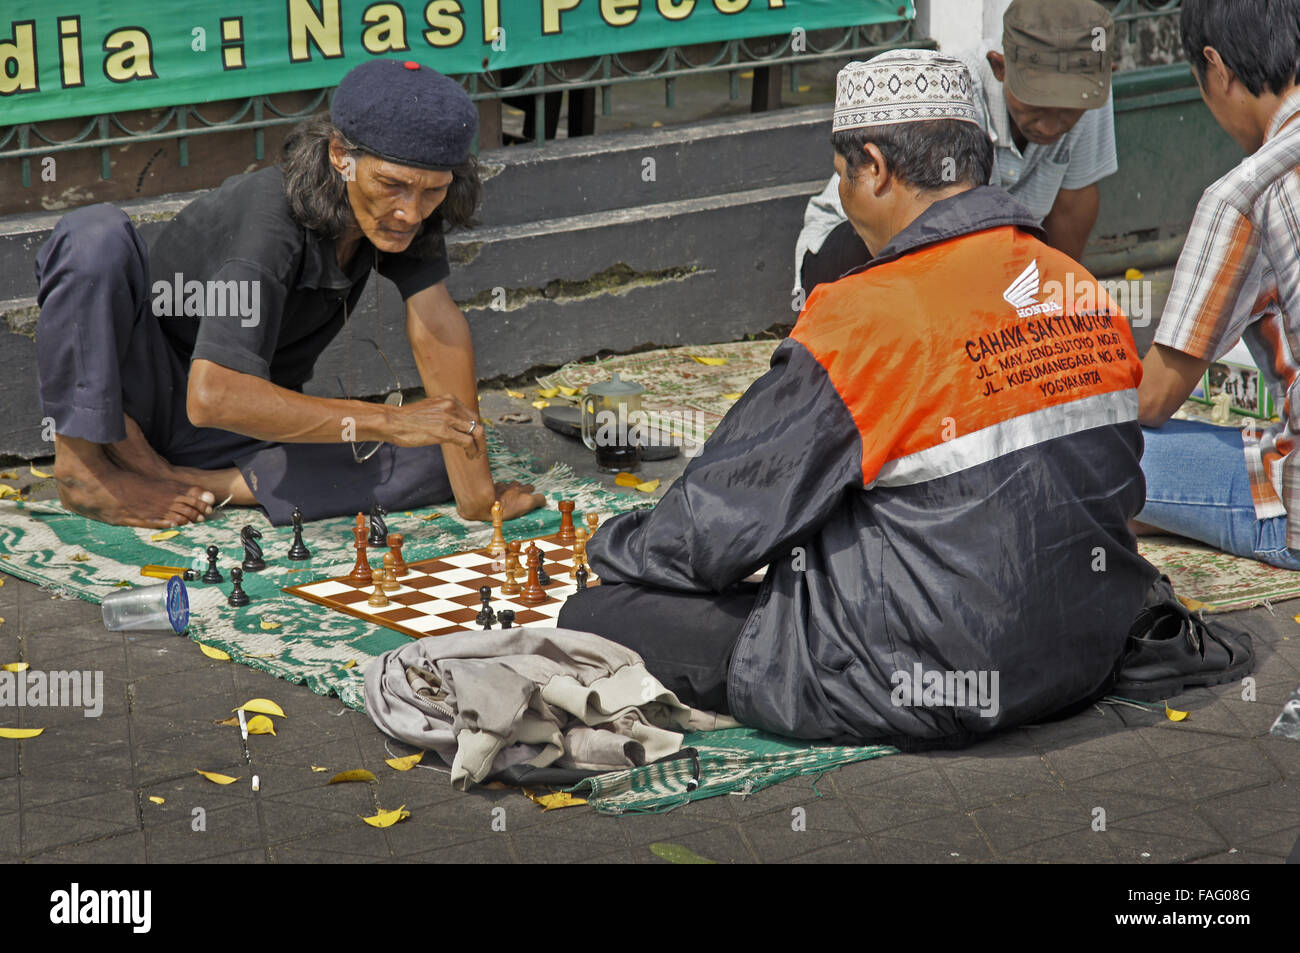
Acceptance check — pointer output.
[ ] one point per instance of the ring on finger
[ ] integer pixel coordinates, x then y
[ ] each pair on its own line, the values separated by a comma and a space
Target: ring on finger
473, 425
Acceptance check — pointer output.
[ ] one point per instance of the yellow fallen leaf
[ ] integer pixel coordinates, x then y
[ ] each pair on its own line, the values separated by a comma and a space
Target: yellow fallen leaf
350, 663
387, 818
804, 89
270, 624
165, 534
539, 404
648, 487
14, 666
431, 516
217, 778
547, 392
318, 769
656, 124
40, 473
1132, 274
626, 479
568, 391
356, 774
121, 584
80, 557
517, 394
735, 396
9, 475
210, 652
551, 802
404, 764
157, 800
7, 491
2, 582
261, 725
18, 734
263, 706
1173, 715
228, 722
710, 361
410, 514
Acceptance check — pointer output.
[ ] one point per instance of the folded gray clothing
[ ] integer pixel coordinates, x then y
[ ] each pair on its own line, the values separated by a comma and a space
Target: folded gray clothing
486, 700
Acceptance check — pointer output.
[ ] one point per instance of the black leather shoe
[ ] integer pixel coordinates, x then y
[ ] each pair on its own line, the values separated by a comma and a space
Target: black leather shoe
1170, 650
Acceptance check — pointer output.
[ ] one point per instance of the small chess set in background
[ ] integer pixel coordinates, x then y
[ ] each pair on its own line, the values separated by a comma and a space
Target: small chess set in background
1236, 382
520, 583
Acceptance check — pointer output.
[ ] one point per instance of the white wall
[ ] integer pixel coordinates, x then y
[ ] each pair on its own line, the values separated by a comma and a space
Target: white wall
962, 24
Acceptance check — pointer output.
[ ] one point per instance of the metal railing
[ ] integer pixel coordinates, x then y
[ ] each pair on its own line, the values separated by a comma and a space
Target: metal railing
183, 123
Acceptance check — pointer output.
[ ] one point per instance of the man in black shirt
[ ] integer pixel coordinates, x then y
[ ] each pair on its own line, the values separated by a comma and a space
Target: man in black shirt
174, 373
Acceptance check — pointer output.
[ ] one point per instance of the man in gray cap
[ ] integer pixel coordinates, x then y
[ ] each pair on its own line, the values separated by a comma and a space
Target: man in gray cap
174, 373
1045, 102
937, 472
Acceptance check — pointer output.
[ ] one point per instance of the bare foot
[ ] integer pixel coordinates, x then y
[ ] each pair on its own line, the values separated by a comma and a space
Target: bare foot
91, 484
135, 455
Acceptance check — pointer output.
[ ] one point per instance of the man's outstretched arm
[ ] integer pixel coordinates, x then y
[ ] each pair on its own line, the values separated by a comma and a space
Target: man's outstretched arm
444, 353
1168, 377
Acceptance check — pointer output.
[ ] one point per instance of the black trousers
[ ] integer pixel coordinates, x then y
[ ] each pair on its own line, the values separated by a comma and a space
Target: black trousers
842, 251
101, 353
686, 638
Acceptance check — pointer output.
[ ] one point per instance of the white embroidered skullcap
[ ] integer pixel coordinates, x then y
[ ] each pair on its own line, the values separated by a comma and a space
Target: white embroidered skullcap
902, 86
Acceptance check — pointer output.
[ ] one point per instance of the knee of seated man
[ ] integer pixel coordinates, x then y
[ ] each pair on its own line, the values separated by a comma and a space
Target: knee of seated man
100, 236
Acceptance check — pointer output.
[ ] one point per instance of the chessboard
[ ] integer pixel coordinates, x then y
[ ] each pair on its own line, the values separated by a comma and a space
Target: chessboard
440, 596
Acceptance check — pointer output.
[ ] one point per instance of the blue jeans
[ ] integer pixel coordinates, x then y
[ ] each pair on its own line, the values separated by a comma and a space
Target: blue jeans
1198, 487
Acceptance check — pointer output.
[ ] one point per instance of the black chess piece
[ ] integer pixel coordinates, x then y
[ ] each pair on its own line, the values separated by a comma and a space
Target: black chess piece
213, 574
542, 578
378, 528
581, 578
298, 550
238, 597
486, 616
253, 561
507, 617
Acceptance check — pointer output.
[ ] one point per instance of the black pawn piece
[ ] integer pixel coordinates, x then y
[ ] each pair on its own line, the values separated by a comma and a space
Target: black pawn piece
378, 528
213, 574
542, 578
298, 550
238, 597
507, 617
581, 577
486, 617
253, 561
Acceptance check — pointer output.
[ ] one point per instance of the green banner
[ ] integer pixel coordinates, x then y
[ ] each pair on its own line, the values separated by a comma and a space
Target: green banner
117, 55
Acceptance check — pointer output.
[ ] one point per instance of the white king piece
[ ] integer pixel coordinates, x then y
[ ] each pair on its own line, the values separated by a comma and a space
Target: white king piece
902, 86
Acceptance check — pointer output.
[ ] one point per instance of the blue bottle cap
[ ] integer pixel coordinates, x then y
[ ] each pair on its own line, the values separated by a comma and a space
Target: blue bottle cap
178, 604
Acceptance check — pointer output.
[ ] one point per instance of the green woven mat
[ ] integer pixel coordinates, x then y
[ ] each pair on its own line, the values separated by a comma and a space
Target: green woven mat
735, 760
278, 633
682, 395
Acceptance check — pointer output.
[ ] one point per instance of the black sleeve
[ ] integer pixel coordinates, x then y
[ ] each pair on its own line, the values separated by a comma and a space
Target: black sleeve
773, 471
226, 336
412, 273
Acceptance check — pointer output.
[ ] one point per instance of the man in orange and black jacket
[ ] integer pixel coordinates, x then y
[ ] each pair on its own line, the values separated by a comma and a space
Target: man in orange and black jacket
938, 471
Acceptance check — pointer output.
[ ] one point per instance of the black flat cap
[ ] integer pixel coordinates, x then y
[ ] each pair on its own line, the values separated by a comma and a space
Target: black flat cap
406, 113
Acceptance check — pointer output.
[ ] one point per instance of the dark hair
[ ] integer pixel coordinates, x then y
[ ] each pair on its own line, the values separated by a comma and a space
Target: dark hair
1259, 40
318, 195
916, 152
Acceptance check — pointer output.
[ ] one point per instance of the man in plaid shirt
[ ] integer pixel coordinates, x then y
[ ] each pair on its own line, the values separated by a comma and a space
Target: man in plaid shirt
1238, 278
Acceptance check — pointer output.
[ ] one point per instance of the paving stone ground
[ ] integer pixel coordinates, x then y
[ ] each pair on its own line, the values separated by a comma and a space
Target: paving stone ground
1214, 789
